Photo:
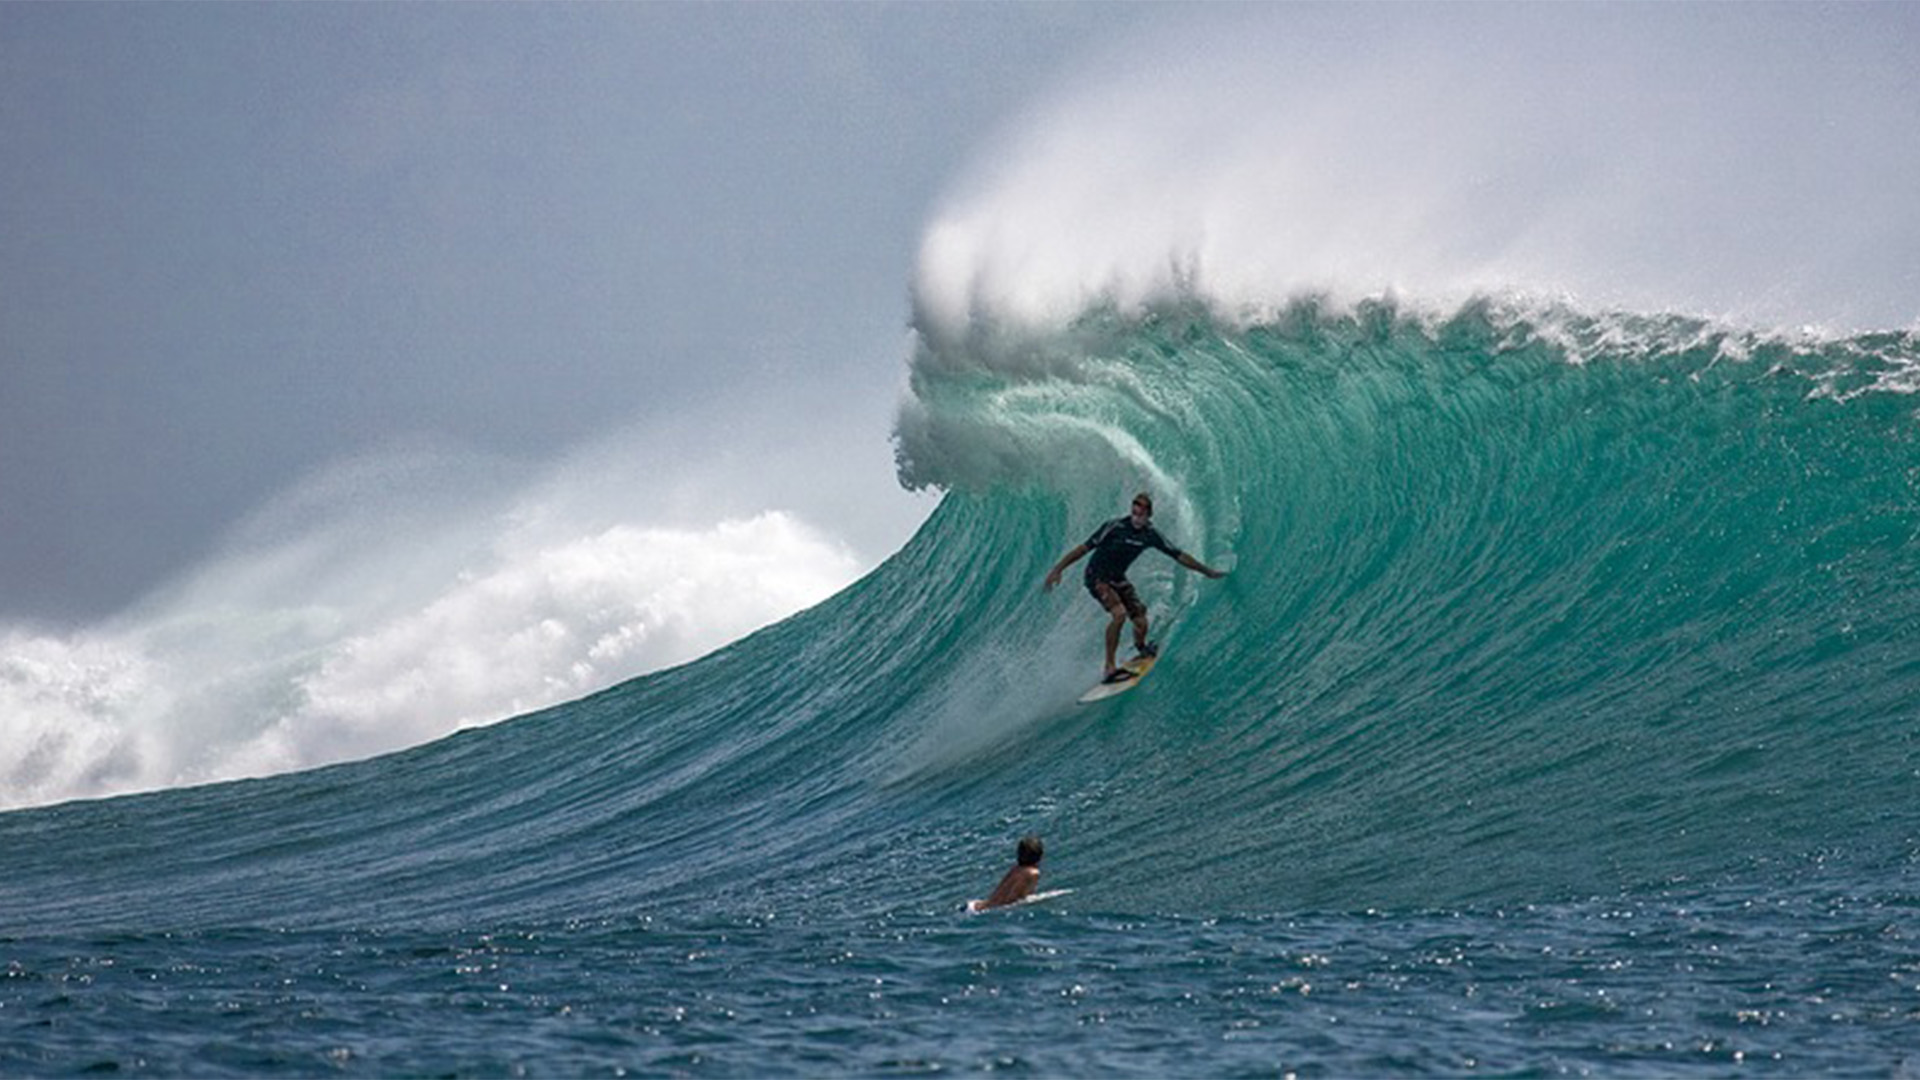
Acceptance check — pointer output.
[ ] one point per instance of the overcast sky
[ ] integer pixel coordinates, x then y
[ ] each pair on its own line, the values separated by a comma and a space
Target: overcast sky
240, 243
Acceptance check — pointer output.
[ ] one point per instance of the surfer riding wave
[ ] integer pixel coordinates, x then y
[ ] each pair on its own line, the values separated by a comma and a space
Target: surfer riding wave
1114, 546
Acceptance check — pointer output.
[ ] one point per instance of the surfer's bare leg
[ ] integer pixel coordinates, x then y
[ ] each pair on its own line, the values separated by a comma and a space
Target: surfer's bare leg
1117, 610
1113, 638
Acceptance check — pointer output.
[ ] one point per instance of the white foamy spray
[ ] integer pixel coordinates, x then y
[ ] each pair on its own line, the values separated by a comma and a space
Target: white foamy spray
1744, 163
397, 598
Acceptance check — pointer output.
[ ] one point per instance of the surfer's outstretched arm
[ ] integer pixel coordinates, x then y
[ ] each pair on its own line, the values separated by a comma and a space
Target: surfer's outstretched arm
1192, 563
1053, 576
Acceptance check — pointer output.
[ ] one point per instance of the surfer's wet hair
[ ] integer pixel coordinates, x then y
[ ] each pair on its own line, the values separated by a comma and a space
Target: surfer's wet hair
1030, 851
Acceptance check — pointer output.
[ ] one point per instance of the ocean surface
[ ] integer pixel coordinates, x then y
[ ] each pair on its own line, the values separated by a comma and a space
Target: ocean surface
1560, 715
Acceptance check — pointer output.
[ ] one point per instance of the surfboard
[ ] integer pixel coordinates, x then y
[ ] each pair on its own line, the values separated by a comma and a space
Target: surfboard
1102, 691
974, 907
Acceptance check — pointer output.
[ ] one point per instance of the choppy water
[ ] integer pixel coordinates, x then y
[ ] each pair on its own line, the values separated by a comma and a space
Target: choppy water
1728, 984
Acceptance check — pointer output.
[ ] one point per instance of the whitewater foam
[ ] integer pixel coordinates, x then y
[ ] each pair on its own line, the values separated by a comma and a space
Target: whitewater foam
383, 604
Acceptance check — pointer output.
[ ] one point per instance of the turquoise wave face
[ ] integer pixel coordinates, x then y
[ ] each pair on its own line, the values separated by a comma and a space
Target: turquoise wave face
1522, 606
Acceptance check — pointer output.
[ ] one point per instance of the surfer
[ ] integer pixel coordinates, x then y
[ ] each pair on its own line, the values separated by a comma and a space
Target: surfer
1114, 546
1019, 882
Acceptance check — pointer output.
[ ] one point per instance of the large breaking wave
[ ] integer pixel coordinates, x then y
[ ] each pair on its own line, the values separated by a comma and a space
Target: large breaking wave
1570, 527
1522, 605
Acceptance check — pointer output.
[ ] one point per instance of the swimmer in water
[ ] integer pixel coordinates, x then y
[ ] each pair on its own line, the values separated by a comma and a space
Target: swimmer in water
1020, 881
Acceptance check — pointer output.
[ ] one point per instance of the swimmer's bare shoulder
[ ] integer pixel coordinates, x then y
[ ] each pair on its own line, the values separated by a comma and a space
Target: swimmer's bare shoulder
1015, 887
1020, 881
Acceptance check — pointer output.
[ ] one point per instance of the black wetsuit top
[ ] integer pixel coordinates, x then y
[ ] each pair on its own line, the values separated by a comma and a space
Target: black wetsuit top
1116, 544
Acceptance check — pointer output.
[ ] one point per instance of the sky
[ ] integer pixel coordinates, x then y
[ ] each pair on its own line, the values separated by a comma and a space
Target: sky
369, 371
240, 244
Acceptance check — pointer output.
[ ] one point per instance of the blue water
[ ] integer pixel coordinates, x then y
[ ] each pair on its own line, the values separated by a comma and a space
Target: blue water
1558, 715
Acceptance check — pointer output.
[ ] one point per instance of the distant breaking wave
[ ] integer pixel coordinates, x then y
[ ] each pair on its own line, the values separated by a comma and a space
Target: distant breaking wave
386, 603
